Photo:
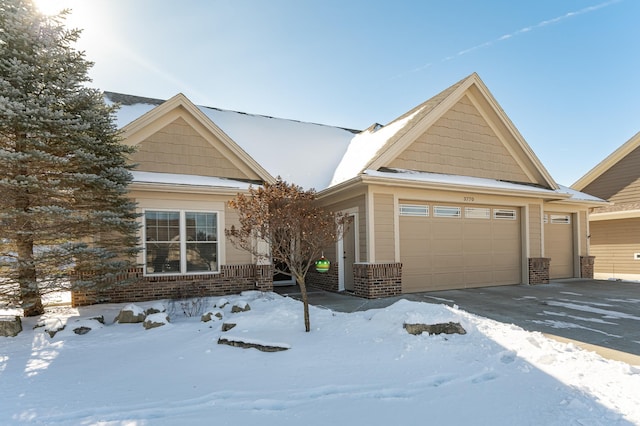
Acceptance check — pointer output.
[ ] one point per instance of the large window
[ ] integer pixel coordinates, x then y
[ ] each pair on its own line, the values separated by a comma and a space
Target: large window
179, 242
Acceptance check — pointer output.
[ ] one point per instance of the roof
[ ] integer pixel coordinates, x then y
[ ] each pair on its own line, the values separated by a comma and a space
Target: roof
326, 157
482, 184
614, 158
376, 147
282, 146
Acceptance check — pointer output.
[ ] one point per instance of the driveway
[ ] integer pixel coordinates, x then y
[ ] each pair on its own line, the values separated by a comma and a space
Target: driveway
602, 313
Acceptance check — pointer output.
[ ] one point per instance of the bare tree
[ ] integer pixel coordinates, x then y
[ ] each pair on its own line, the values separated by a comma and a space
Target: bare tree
294, 228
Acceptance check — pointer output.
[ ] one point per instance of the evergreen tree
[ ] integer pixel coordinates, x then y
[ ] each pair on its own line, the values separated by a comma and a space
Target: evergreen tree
63, 171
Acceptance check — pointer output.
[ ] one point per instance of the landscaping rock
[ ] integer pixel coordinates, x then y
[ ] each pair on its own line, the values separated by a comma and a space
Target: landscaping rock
208, 316
240, 307
156, 320
221, 303
130, 314
247, 345
81, 330
10, 325
156, 309
99, 318
443, 328
227, 326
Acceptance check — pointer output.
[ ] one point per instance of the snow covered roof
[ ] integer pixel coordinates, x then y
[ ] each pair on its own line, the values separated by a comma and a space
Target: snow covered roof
320, 156
190, 180
306, 154
563, 192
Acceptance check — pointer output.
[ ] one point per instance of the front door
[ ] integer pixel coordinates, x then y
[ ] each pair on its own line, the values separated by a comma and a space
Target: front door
349, 254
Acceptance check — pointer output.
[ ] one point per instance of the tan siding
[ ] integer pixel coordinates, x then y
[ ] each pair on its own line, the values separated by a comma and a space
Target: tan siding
613, 243
234, 256
384, 227
583, 232
359, 203
621, 183
197, 202
535, 230
461, 142
178, 148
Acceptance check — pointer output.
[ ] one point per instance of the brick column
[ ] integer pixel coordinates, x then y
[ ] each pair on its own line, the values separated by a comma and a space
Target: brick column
375, 280
586, 266
539, 270
264, 278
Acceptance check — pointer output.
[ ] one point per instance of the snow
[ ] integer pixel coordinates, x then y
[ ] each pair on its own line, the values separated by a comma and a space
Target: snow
470, 181
357, 368
302, 153
192, 180
364, 146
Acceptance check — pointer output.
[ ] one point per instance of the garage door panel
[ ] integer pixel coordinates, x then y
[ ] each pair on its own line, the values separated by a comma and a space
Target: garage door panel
558, 244
456, 252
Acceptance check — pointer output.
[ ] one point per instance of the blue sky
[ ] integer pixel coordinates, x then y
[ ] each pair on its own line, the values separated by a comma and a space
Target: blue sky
564, 71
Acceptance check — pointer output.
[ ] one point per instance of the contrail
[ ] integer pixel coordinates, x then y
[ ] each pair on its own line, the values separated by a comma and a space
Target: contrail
516, 33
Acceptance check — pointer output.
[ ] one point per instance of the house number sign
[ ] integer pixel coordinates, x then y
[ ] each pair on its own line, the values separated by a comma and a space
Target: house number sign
469, 199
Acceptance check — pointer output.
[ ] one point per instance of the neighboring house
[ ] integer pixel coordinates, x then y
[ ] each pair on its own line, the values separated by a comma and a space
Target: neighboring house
449, 195
615, 229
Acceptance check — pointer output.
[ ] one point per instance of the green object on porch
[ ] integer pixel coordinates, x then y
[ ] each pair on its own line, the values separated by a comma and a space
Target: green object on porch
322, 264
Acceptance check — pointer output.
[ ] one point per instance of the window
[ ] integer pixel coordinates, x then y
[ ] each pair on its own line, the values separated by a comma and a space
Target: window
414, 210
507, 214
445, 211
179, 242
477, 213
563, 219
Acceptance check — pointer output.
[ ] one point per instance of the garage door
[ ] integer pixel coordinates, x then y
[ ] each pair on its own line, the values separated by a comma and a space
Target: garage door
448, 246
558, 244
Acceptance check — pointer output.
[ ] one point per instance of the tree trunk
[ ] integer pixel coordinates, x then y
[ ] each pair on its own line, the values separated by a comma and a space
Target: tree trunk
305, 303
29, 293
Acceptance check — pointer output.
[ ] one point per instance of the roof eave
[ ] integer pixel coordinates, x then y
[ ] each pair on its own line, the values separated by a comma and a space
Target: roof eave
408, 183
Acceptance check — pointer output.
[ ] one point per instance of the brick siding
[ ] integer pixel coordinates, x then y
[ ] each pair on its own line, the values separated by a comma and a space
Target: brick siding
232, 279
375, 280
586, 266
539, 270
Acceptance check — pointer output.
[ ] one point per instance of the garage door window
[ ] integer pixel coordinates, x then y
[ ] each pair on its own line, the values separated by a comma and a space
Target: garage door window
414, 210
562, 219
477, 213
446, 211
504, 214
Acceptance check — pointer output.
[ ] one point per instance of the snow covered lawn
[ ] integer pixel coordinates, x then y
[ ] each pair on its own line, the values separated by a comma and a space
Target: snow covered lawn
361, 368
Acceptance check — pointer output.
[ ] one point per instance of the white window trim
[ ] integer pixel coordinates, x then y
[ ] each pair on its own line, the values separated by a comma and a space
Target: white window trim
477, 212
417, 210
560, 219
505, 214
439, 211
183, 242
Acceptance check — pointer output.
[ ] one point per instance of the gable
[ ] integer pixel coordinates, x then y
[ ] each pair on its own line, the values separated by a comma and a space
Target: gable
617, 177
621, 182
177, 138
461, 142
461, 131
179, 148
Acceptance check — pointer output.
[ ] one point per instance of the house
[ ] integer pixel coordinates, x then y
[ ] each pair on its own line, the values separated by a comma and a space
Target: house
448, 195
615, 229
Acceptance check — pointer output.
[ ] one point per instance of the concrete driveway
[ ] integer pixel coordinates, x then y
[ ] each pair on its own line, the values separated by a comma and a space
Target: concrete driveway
602, 313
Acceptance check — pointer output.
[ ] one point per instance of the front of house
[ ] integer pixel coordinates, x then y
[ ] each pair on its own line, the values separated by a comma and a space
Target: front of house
615, 229
449, 195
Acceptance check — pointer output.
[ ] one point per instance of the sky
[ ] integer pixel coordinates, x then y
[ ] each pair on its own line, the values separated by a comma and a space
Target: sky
565, 72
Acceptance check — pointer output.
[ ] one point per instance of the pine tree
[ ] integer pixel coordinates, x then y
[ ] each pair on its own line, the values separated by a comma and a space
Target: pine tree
63, 170
294, 228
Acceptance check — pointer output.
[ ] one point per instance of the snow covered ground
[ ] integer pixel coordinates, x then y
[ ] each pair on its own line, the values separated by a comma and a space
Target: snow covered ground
358, 368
